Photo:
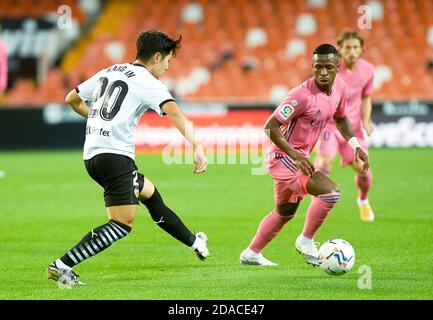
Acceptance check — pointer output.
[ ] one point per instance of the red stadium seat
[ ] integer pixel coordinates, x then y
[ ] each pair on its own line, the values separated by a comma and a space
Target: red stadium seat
398, 40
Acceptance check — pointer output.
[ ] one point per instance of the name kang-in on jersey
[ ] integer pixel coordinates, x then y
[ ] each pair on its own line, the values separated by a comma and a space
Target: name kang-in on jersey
120, 68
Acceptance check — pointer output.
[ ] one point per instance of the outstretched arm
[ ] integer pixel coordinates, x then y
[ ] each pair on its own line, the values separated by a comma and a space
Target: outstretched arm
272, 129
366, 114
345, 128
185, 127
78, 105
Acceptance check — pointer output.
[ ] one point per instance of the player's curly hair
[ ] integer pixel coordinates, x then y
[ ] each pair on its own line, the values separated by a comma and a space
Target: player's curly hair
349, 34
153, 41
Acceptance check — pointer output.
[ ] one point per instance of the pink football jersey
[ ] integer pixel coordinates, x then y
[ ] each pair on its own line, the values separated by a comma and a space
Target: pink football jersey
359, 83
306, 111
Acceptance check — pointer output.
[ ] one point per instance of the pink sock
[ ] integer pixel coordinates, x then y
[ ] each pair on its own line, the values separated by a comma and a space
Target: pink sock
363, 181
318, 211
268, 229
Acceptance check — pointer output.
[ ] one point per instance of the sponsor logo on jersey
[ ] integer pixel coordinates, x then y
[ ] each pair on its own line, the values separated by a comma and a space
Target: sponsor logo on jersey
286, 111
97, 131
319, 123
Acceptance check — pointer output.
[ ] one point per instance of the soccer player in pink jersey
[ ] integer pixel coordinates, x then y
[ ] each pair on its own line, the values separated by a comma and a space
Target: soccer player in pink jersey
294, 128
358, 75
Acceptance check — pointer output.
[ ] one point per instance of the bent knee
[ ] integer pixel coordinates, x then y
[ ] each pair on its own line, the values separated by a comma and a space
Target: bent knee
335, 189
331, 197
119, 229
124, 214
331, 187
129, 221
287, 210
285, 213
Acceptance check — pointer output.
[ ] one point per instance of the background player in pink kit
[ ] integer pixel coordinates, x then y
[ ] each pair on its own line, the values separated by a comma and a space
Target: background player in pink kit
294, 128
358, 74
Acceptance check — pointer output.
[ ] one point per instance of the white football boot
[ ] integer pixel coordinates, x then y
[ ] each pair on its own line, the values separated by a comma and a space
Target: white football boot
250, 257
308, 249
200, 246
66, 276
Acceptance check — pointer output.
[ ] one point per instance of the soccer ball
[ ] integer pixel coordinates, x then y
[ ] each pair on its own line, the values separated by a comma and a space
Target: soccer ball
337, 257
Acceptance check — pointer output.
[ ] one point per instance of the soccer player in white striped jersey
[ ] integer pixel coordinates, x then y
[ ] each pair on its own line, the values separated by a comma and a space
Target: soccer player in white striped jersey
113, 101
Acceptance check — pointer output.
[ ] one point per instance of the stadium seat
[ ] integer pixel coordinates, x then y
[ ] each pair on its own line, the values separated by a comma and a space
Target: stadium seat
284, 33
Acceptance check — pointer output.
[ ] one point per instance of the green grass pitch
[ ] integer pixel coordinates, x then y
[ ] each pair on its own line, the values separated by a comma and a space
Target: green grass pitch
48, 203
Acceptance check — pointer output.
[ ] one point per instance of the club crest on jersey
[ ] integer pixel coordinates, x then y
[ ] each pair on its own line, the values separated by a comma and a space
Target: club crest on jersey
287, 110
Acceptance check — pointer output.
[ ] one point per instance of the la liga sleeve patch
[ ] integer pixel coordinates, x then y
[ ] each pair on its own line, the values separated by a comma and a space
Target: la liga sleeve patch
286, 111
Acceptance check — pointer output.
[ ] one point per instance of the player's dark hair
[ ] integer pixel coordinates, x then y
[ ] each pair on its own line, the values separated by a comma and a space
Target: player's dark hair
349, 34
325, 48
153, 41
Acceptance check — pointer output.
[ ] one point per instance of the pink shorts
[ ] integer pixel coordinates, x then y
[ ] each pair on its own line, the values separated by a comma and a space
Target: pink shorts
332, 142
290, 184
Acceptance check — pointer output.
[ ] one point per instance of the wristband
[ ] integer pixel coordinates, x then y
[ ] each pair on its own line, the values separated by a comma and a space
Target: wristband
353, 142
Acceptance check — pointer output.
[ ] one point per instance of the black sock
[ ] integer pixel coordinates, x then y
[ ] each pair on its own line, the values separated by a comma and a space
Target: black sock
168, 220
95, 241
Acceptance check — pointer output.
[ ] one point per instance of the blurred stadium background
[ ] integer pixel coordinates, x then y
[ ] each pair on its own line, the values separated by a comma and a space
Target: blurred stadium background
237, 62
236, 55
